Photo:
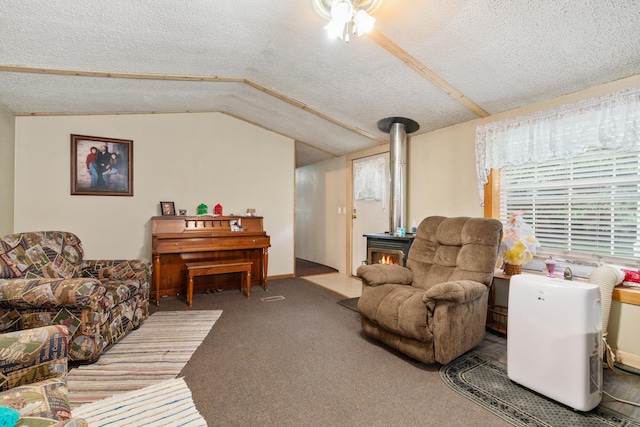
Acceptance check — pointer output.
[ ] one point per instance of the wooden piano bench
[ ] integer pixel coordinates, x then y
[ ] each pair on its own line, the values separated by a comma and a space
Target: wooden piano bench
208, 268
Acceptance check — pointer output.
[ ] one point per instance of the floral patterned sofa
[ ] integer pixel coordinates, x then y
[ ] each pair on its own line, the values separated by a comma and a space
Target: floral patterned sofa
33, 385
44, 280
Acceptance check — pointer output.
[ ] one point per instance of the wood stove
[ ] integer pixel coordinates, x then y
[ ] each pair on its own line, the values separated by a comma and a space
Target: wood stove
385, 248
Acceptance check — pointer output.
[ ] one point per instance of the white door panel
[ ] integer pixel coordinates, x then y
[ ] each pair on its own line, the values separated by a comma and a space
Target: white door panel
370, 203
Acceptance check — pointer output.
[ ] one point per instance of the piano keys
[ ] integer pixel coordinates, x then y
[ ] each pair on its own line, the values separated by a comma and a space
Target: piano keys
177, 240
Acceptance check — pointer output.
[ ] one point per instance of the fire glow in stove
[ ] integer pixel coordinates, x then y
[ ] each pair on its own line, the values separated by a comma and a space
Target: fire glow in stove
384, 248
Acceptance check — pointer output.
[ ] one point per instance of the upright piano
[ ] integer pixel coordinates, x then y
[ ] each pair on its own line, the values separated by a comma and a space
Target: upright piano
177, 240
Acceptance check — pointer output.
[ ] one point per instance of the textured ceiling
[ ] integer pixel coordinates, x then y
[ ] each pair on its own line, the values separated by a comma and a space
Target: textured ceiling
439, 62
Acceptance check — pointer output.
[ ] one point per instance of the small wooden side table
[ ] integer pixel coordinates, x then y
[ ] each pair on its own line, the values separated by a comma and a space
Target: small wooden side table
497, 315
208, 268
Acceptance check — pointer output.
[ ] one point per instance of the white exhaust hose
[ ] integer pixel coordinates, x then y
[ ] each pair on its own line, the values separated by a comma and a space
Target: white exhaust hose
606, 278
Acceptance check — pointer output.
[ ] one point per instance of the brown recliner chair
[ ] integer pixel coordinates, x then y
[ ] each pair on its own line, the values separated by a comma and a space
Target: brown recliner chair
435, 308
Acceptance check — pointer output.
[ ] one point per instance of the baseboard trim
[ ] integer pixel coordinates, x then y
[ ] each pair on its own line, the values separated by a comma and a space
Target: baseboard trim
626, 358
280, 276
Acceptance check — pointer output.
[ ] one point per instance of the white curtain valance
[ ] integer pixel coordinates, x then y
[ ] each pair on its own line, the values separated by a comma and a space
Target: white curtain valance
611, 121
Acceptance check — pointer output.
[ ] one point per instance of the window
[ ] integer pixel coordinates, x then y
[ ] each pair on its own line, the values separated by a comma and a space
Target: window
575, 170
370, 176
588, 204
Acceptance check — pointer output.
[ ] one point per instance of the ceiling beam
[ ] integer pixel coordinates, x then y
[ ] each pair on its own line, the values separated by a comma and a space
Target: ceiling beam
178, 77
305, 107
425, 72
117, 75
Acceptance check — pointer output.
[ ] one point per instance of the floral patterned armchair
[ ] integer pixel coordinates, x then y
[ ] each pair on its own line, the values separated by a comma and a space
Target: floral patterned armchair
33, 384
44, 280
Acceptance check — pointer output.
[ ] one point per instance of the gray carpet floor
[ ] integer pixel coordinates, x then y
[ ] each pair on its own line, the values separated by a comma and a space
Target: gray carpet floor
293, 356
303, 361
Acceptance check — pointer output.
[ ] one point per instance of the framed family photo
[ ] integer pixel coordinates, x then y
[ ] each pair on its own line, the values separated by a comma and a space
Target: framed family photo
167, 208
101, 166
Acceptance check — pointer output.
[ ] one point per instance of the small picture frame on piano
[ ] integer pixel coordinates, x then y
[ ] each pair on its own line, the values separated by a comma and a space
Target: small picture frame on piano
167, 208
236, 225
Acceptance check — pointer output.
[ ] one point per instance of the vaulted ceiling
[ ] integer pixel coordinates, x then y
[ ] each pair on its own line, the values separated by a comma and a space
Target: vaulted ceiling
438, 62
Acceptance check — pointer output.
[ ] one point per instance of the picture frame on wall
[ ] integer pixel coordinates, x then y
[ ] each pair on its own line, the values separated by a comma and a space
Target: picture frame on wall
167, 208
101, 166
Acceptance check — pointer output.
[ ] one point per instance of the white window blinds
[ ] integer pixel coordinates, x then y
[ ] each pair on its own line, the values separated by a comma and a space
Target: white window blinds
588, 204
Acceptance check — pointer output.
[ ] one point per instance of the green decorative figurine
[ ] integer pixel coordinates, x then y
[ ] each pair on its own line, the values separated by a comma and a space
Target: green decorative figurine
202, 209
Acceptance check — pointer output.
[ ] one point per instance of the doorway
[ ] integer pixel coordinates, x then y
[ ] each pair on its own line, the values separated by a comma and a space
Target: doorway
369, 201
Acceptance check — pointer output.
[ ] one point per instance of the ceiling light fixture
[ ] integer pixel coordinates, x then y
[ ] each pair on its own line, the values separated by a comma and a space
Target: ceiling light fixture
347, 16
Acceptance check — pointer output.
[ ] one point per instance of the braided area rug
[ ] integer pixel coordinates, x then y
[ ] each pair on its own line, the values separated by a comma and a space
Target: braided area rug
155, 352
486, 383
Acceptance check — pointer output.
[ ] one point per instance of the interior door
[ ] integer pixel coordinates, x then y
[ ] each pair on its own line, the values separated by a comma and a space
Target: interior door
370, 203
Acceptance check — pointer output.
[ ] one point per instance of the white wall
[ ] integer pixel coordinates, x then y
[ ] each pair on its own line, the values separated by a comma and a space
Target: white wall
441, 177
7, 138
623, 331
186, 158
320, 230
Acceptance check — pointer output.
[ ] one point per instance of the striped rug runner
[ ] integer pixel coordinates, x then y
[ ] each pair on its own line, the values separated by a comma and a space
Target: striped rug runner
155, 352
166, 404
